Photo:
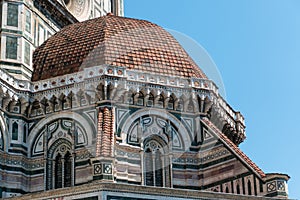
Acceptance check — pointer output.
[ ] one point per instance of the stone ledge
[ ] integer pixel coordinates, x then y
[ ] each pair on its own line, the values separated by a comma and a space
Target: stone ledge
97, 187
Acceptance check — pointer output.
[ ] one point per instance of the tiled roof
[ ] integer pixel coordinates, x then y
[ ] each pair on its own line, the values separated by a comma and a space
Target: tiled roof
234, 148
131, 43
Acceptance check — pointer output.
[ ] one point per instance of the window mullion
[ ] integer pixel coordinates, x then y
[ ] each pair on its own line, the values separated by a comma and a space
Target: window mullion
163, 170
153, 168
63, 172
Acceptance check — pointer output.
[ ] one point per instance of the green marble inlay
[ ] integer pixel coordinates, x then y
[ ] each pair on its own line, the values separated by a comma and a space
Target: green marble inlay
11, 47
27, 53
28, 21
12, 14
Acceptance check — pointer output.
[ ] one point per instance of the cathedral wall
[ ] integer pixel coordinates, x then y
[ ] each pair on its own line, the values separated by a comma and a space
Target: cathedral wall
20, 174
37, 183
83, 174
128, 166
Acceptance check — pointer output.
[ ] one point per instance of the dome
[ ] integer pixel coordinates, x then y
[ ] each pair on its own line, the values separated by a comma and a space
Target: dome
117, 41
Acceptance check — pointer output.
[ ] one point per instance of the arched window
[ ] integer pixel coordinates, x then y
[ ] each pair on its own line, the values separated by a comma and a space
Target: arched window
58, 171
149, 178
249, 188
238, 189
68, 170
60, 164
15, 130
156, 168
63, 170
24, 133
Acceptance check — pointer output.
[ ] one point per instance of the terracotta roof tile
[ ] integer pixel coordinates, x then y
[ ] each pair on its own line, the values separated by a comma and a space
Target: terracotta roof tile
235, 148
131, 43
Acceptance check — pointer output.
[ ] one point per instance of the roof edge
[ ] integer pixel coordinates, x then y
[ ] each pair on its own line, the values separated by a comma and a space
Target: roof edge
244, 158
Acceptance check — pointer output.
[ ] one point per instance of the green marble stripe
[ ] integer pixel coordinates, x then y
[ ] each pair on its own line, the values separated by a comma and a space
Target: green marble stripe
19, 146
202, 166
13, 190
20, 169
11, 31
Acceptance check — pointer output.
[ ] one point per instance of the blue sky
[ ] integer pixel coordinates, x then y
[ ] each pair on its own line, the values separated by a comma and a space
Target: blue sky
256, 47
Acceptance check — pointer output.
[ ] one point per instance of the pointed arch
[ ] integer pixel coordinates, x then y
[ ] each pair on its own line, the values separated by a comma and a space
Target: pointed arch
11, 105
45, 104
156, 163
63, 101
171, 103
54, 102
82, 98
71, 99
59, 165
180, 104
150, 101
140, 99
159, 102
190, 106
15, 131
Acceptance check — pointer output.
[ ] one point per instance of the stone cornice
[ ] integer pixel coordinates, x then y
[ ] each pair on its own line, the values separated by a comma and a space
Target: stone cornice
95, 188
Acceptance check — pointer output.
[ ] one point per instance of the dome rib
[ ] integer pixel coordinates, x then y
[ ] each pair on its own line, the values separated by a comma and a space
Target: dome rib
112, 40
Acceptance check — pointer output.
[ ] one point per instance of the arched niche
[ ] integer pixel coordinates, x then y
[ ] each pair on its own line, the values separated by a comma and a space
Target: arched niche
71, 126
147, 122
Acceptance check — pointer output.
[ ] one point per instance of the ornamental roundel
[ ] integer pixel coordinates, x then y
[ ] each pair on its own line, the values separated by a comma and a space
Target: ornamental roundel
63, 148
153, 146
79, 8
